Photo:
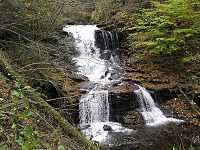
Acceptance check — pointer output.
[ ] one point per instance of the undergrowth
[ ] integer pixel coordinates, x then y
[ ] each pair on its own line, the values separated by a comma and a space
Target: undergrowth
28, 122
168, 28
31, 32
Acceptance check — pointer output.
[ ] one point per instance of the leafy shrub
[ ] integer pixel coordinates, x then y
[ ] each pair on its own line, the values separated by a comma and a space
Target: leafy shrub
104, 9
170, 26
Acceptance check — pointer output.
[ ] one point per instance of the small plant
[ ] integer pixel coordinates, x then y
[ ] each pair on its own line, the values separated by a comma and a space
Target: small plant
28, 139
25, 137
191, 148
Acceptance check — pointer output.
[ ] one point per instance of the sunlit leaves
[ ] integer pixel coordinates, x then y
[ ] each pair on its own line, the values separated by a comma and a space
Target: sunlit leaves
168, 25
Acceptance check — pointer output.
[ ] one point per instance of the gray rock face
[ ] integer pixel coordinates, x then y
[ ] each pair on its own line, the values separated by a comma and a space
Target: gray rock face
107, 128
122, 100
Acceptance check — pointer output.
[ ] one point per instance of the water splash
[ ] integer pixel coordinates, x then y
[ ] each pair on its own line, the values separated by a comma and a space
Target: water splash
152, 115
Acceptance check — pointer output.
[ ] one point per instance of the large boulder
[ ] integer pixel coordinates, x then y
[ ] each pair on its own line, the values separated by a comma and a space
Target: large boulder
133, 119
107, 128
122, 99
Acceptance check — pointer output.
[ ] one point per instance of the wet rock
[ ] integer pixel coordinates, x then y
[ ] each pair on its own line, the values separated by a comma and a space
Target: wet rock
107, 128
162, 95
133, 119
107, 40
132, 81
125, 87
83, 127
115, 74
78, 77
86, 86
197, 99
99, 40
105, 55
122, 99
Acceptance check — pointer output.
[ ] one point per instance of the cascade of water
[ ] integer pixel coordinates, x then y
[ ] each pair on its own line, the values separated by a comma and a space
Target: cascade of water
94, 106
151, 114
117, 39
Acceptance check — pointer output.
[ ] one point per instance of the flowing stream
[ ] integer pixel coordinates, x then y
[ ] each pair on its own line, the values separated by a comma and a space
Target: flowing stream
152, 115
99, 65
99, 62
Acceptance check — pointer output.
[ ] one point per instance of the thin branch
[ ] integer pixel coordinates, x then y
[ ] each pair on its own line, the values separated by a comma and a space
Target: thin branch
44, 120
40, 63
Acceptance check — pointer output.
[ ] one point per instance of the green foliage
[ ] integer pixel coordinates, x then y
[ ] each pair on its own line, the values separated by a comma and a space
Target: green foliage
61, 147
191, 148
191, 58
169, 26
19, 111
104, 9
28, 139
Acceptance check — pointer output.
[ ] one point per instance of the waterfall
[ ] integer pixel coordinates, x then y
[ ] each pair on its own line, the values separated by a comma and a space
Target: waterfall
97, 61
94, 107
152, 115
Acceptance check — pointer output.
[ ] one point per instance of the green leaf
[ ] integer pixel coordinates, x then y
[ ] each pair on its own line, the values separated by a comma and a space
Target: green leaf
192, 148
174, 148
15, 93
61, 147
28, 131
17, 84
27, 88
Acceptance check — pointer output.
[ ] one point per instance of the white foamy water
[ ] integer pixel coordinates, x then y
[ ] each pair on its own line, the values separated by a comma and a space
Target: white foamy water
152, 115
99, 134
94, 106
88, 61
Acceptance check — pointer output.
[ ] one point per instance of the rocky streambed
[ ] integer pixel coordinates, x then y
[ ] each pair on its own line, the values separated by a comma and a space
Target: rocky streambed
166, 89
125, 110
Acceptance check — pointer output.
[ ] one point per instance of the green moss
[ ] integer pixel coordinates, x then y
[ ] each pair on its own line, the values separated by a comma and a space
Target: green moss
23, 107
191, 59
166, 28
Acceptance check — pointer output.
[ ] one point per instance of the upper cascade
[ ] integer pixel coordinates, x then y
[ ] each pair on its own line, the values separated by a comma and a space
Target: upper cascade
97, 59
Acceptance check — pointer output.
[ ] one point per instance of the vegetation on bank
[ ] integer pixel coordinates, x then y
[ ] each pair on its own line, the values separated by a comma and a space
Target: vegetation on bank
168, 28
164, 35
28, 122
29, 32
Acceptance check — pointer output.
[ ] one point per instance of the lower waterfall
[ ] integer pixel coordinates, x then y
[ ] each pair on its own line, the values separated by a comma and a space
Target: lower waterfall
152, 115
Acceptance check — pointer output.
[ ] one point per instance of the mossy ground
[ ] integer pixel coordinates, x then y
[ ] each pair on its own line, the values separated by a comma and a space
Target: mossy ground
29, 122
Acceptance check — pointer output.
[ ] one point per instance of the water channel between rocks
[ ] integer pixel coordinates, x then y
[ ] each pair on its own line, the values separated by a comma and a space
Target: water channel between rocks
98, 60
